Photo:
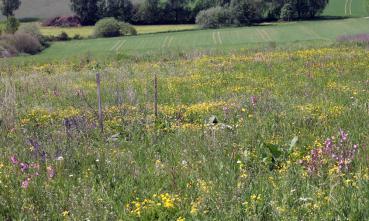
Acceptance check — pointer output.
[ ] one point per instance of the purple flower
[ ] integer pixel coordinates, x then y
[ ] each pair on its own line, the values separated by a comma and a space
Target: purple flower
24, 167
328, 147
14, 160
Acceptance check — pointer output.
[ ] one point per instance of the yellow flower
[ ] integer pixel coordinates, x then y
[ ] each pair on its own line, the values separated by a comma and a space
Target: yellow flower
181, 219
1, 165
255, 197
65, 213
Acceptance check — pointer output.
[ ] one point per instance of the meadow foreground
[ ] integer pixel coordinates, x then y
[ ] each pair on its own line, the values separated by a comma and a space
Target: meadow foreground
239, 136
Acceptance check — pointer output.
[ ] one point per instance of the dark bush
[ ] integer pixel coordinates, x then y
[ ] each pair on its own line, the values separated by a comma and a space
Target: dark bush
107, 27
63, 21
214, 17
77, 37
63, 37
29, 19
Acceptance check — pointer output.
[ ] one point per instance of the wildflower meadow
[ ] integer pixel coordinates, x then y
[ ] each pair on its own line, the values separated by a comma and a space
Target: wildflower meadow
242, 135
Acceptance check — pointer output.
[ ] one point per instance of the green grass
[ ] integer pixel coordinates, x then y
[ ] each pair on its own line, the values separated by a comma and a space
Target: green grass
88, 30
347, 8
177, 165
323, 32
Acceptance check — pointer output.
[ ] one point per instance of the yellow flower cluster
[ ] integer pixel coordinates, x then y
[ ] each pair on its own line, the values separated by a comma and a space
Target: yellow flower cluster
42, 117
164, 201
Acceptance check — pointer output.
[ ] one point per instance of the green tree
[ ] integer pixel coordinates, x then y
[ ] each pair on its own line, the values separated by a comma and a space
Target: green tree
288, 12
9, 6
148, 12
245, 12
119, 9
87, 10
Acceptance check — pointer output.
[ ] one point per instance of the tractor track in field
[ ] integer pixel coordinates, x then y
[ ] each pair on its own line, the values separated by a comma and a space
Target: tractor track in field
167, 42
348, 7
118, 45
264, 35
217, 38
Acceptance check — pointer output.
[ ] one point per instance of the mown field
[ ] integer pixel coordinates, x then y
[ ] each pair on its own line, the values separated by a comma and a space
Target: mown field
87, 31
347, 8
289, 141
270, 35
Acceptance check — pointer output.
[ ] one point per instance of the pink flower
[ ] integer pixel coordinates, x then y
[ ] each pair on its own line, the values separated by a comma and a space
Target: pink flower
14, 160
50, 172
253, 100
25, 183
34, 166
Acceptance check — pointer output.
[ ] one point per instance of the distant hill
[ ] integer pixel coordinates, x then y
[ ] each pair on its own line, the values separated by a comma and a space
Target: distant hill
52, 8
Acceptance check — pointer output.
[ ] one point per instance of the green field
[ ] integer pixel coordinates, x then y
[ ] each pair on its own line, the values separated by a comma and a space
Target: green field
347, 8
325, 32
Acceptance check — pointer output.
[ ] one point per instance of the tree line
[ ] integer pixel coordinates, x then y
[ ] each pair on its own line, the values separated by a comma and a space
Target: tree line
185, 11
237, 12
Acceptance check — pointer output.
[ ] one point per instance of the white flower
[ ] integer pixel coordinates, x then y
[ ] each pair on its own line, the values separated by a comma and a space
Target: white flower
60, 158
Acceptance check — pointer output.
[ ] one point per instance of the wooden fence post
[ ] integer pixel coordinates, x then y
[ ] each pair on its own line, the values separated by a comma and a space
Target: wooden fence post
101, 120
156, 95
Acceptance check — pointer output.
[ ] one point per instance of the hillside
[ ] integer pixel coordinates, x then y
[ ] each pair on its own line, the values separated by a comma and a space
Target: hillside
349, 8
325, 31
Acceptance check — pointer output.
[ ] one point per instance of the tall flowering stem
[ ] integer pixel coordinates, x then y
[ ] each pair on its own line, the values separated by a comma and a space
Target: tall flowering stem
337, 151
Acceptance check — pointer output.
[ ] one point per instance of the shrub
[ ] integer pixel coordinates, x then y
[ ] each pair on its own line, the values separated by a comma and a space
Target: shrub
11, 25
6, 49
31, 29
63, 37
63, 21
214, 17
127, 29
107, 27
26, 43
20, 43
77, 37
